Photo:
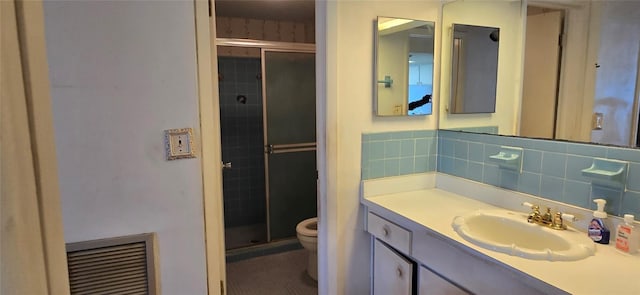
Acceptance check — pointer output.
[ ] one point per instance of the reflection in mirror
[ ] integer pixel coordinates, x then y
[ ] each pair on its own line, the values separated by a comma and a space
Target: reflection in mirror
474, 69
615, 99
583, 88
404, 67
505, 15
541, 69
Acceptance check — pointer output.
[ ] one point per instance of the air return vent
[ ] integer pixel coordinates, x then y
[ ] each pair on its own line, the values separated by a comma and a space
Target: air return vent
121, 265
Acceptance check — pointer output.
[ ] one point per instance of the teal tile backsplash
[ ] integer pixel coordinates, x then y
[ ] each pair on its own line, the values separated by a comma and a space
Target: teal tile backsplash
398, 153
551, 169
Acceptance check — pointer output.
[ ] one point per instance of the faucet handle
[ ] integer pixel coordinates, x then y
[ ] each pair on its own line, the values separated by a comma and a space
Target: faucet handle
569, 217
534, 215
547, 218
559, 218
558, 222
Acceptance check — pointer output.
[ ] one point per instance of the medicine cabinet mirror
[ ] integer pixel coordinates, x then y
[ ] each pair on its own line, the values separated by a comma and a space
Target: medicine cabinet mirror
403, 67
474, 69
568, 70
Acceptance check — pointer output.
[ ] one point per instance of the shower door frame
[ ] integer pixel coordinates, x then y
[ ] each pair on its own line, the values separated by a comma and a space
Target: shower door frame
270, 46
301, 147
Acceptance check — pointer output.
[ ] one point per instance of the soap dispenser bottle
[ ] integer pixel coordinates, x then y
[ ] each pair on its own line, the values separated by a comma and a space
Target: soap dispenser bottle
627, 236
598, 231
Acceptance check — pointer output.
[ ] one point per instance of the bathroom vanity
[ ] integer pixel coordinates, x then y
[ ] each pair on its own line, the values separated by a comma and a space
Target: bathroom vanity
415, 247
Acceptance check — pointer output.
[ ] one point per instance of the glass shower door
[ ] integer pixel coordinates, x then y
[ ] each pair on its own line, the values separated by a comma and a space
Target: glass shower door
290, 140
242, 138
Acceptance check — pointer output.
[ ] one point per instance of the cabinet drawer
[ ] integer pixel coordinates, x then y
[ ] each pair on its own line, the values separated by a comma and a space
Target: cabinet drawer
387, 231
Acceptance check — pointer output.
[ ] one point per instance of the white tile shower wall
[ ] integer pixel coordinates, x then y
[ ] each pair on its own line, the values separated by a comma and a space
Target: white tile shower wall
398, 153
242, 140
551, 169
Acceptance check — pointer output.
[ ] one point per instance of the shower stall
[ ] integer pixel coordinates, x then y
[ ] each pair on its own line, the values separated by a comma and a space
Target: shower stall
267, 120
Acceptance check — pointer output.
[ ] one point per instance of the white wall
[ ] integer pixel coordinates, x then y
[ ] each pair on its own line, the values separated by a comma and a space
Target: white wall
393, 56
617, 77
346, 65
121, 73
506, 15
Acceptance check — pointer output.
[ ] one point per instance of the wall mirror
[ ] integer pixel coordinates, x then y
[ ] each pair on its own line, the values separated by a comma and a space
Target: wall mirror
568, 71
403, 83
474, 69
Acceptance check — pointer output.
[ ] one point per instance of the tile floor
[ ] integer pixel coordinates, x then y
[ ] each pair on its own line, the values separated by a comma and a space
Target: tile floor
282, 273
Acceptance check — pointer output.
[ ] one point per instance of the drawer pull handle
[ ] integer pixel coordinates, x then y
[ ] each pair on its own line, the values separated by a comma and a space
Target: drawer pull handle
399, 272
386, 231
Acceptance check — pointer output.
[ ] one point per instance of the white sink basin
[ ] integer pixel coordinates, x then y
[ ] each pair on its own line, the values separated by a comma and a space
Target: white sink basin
509, 232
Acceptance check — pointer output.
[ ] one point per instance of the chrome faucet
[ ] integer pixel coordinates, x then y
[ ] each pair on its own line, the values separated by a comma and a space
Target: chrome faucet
554, 221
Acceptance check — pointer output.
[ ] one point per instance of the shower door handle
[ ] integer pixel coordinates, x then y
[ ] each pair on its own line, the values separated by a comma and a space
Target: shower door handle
226, 165
289, 148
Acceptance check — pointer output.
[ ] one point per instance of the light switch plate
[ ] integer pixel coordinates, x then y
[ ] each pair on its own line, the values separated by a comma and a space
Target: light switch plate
179, 143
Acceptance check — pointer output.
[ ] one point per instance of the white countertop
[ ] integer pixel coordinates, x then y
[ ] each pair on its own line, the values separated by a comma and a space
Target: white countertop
607, 272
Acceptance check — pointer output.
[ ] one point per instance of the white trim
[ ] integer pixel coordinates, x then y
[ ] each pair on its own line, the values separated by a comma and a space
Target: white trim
633, 137
437, 64
34, 57
327, 154
31, 223
211, 155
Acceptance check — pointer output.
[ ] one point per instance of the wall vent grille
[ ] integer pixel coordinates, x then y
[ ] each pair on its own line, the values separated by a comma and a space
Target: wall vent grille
121, 265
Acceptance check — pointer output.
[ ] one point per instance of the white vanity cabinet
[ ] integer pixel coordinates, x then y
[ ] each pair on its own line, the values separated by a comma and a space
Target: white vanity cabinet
399, 246
413, 217
392, 272
472, 270
429, 283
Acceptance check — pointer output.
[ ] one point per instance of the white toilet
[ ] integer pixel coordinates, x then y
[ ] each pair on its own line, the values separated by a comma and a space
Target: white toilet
307, 231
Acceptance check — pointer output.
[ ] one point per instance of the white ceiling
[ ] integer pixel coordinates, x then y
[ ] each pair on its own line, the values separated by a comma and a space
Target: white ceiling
287, 10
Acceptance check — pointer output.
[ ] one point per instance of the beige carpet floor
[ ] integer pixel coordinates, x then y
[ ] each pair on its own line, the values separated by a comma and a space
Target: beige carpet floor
282, 273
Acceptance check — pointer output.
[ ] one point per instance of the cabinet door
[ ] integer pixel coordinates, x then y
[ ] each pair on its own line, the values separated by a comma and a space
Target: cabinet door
392, 273
429, 283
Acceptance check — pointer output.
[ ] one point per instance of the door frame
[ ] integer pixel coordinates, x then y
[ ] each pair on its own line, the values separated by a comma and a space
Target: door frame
558, 74
573, 112
211, 151
31, 215
326, 134
29, 25
211, 146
